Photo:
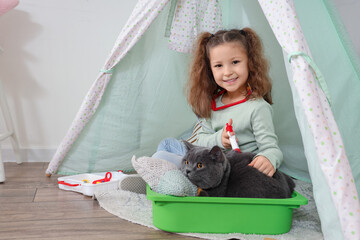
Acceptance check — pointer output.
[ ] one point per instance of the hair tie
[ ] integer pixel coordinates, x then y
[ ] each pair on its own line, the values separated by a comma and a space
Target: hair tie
242, 32
211, 36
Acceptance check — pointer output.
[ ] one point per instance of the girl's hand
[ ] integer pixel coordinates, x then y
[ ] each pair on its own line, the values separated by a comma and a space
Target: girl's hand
264, 165
225, 139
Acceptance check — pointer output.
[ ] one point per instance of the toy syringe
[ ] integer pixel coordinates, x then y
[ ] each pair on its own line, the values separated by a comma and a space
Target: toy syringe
234, 144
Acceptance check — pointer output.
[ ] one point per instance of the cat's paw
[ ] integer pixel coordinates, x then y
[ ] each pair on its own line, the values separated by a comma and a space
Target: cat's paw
202, 193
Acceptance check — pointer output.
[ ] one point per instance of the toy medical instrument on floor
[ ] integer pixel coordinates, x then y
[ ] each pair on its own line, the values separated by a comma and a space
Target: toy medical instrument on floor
89, 183
234, 144
107, 178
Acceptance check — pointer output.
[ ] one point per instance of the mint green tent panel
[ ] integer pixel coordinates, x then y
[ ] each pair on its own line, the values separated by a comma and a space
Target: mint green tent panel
337, 59
143, 103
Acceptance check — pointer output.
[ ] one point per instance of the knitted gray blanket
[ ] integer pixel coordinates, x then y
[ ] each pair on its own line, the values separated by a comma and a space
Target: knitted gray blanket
136, 208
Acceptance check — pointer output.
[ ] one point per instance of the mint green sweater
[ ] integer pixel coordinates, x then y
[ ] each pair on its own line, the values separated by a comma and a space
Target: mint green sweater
253, 127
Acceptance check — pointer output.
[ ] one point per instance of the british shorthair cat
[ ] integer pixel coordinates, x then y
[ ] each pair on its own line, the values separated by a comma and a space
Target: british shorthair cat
228, 175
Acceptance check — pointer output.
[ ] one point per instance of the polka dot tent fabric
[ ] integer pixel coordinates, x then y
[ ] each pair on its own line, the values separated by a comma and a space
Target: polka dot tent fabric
331, 154
191, 18
141, 18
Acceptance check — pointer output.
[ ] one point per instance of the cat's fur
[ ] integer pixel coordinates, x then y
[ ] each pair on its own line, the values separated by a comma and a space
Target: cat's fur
228, 175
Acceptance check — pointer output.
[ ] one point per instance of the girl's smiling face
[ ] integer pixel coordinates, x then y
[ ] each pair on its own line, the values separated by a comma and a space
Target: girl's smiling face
229, 65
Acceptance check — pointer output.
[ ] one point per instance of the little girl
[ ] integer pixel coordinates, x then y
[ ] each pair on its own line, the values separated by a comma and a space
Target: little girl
229, 83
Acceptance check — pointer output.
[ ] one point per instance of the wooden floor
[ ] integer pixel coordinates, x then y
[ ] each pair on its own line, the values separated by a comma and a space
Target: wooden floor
33, 207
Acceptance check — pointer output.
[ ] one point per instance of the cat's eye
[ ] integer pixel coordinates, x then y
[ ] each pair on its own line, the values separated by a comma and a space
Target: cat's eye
186, 162
200, 165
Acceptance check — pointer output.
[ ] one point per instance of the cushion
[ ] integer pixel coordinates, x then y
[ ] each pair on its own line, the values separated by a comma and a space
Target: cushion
163, 176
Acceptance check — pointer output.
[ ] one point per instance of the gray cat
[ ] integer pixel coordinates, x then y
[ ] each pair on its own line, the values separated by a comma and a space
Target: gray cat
228, 175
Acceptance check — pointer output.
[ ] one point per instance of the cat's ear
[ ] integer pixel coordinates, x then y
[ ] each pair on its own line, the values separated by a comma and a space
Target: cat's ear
188, 145
216, 151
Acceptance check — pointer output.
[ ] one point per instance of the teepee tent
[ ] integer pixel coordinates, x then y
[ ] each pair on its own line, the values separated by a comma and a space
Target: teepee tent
138, 98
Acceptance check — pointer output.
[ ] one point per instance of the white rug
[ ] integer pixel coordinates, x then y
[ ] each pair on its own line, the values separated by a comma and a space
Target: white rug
136, 208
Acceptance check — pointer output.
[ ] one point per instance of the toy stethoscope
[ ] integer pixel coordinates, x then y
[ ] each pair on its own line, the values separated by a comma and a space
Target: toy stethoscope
107, 178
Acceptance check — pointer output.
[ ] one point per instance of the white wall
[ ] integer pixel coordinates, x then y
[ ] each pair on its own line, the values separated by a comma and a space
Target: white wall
53, 52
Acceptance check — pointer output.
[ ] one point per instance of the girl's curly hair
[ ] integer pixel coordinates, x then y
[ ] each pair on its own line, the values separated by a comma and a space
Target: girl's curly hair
202, 87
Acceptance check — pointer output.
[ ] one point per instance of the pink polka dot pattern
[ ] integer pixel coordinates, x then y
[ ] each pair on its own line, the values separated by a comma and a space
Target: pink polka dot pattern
191, 18
142, 16
329, 145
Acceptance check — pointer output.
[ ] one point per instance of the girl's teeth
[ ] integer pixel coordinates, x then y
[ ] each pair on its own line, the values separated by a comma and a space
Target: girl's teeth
230, 80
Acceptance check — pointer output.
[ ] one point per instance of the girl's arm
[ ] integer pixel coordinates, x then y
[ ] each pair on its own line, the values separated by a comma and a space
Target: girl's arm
266, 139
207, 136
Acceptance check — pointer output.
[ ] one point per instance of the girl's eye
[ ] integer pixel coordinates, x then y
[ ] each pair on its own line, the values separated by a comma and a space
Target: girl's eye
200, 165
236, 62
218, 65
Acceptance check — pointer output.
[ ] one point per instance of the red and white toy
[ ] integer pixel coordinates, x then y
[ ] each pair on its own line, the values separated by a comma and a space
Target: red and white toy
89, 183
234, 144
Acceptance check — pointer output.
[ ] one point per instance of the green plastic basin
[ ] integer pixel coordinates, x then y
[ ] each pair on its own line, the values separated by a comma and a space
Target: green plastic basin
224, 215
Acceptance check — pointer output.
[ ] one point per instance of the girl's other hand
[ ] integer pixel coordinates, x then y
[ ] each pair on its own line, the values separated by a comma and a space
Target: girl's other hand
264, 165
